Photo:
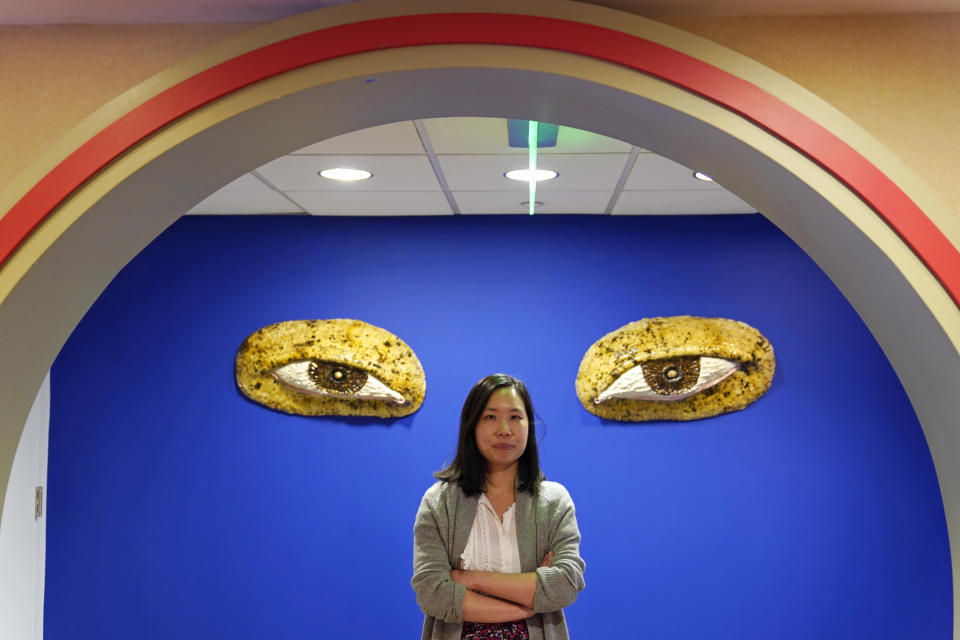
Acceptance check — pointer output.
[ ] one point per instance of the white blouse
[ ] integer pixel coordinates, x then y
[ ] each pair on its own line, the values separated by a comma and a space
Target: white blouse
492, 545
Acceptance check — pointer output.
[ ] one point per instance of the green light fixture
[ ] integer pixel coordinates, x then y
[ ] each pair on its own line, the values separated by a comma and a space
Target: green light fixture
532, 135
532, 153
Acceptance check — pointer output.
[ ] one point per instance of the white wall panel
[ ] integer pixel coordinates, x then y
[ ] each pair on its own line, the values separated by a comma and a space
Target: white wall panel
22, 536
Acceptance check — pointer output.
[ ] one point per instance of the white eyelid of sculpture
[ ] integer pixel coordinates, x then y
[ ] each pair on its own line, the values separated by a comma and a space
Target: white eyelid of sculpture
667, 376
330, 379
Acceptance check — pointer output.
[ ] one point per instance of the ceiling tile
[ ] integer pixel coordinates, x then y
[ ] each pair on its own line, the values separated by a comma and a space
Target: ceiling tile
598, 171
680, 202
248, 201
652, 171
390, 173
246, 182
489, 135
553, 202
372, 203
477, 156
398, 138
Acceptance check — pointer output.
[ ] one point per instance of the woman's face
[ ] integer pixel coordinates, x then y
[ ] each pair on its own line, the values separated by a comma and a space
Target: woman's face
502, 429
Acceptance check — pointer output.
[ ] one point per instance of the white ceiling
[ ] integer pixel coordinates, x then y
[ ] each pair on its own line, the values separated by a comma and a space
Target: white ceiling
444, 166
180, 11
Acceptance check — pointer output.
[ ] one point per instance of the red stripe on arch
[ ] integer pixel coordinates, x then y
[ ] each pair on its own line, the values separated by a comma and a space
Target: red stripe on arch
725, 89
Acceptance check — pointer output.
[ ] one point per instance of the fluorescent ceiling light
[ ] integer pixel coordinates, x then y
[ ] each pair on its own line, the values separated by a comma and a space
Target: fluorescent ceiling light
345, 175
523, 175
700, 175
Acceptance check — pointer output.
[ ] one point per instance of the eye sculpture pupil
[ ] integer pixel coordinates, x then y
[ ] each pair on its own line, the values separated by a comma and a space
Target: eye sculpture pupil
336, 377
672, 375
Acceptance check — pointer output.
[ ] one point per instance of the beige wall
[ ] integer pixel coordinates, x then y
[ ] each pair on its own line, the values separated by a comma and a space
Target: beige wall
51, 77
897, 76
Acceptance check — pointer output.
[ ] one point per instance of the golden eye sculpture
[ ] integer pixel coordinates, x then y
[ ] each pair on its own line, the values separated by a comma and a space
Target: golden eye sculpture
675, 368
330, 367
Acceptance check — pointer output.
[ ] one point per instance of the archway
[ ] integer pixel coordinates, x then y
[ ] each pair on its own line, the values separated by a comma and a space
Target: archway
868, 227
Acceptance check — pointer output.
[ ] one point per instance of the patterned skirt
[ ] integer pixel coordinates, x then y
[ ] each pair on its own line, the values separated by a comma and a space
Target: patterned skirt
516, 630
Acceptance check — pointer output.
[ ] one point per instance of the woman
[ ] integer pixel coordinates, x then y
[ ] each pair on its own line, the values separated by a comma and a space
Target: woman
496, 547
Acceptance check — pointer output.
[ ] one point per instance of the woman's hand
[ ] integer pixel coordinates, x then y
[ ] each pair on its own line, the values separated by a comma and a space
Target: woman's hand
547, 560
461, 576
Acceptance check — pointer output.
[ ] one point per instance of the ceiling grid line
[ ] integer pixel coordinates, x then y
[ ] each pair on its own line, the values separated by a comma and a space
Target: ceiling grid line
303, 210
435, 163
624, 175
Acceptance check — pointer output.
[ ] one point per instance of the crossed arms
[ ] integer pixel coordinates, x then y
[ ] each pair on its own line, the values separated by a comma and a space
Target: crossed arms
498, 597
454, 596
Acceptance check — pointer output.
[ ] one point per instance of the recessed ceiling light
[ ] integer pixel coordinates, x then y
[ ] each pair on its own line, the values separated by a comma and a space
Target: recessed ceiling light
345, 175
700, 175
523, 175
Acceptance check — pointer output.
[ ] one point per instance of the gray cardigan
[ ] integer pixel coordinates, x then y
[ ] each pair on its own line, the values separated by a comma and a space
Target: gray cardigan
545, 522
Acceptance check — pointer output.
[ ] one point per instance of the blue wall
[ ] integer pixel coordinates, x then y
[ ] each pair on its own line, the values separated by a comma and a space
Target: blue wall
179, 509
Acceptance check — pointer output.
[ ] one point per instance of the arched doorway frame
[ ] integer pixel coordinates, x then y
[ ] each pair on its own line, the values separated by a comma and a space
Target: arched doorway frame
888, 244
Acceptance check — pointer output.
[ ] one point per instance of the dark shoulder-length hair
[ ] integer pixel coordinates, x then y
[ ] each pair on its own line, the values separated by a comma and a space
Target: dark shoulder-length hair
469, 468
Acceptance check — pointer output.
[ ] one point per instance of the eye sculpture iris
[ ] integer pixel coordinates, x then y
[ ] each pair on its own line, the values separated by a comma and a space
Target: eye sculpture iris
330, 367
672, 376
336, 378
676, 368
